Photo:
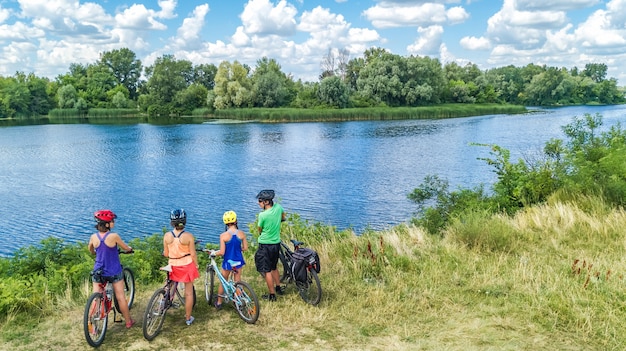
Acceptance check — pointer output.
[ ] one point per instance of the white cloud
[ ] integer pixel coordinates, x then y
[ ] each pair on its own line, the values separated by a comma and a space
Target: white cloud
457, 15
138, 17
188, 34
383, 16
473, 43
428, 43
261, 17
4, 14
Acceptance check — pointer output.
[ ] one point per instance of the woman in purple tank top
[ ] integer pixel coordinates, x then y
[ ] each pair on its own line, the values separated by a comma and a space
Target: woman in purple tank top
104, 245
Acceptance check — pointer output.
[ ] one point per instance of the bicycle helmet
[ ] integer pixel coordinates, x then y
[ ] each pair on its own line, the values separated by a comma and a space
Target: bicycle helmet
229, 217
178, 217
265, 195
104, 216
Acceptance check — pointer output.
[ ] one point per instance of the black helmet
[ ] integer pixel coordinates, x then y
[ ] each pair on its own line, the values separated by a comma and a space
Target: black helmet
265, 195
178, 217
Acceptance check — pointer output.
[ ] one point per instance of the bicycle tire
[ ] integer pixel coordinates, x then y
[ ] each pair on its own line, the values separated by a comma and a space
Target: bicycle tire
210, 292
155, 315
95, 319
129, 289
246, 302
284, 268
311, 291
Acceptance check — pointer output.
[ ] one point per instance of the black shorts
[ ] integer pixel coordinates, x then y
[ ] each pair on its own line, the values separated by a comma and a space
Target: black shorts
266, 257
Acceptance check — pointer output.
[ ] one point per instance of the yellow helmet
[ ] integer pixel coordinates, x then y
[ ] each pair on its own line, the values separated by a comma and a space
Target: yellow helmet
229, 217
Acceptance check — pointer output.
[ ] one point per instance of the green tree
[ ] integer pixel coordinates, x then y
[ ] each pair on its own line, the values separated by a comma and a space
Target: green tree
595, 71
125, 67
269, 84
99, 81
333, 92
204, 74
233, 87
166, 78
191, 98
66, 96
14, 96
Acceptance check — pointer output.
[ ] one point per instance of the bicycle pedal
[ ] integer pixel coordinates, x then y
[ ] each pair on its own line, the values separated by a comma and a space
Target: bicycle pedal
175, 305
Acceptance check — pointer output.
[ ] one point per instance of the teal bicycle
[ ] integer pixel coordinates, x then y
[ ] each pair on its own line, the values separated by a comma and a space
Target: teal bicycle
241, 294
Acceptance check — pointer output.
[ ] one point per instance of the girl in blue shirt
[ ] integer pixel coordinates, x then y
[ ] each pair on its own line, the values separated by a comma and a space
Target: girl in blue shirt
232, 244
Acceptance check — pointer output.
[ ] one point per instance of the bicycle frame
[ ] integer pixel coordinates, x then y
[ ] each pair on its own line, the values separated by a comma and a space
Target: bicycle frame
239, 293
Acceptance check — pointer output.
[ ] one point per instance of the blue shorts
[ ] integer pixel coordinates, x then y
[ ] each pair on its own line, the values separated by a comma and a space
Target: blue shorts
266, 257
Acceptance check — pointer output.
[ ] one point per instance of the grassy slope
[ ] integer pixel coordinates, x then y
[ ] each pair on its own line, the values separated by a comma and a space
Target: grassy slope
491, 284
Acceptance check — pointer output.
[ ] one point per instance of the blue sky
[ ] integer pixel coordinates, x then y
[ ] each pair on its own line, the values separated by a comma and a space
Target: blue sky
45, 36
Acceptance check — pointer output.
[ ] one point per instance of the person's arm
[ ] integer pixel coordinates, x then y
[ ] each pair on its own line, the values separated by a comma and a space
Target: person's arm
244, 241
122, 244
222, 249
92, 249
283, 217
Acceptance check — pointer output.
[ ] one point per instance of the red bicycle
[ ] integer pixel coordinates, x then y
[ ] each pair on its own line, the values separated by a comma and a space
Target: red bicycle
99, 305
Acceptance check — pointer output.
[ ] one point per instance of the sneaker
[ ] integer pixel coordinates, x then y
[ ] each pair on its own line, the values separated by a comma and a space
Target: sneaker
280, 290
269, 297
190, 320
130, 323
218, 306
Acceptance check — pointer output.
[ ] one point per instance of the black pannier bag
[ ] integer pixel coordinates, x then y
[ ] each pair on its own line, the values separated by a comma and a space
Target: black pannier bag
300, 259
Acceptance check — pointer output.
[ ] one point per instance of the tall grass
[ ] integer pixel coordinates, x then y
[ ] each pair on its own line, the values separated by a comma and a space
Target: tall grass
549, 278
357, 114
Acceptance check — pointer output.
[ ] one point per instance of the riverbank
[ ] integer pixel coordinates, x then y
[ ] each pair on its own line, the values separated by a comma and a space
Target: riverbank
549, 278
283, 115
271, 115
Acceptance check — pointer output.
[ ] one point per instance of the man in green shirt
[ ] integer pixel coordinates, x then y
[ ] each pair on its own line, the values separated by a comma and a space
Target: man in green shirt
266, 257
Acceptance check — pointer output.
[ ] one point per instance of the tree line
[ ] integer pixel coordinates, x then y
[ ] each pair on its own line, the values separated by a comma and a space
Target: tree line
170, 86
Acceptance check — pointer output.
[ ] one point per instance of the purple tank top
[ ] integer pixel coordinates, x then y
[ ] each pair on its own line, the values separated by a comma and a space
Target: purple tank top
107, 258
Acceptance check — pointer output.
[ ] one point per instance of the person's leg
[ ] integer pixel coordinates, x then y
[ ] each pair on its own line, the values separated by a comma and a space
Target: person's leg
220, 288
118, 289
275, 277
188, 301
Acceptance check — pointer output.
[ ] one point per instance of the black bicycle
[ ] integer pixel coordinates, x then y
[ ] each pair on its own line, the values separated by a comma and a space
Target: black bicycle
161, 301
310, 289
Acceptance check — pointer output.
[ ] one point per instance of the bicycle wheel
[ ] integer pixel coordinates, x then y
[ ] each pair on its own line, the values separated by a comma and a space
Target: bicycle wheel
210, 289
246, 302
95, 320
311, 291
155, 314
129, 289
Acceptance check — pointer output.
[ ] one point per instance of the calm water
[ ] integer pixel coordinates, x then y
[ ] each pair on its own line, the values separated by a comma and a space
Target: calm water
350, 174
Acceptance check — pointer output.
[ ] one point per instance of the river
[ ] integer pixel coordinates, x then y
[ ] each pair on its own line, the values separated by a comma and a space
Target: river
347, 174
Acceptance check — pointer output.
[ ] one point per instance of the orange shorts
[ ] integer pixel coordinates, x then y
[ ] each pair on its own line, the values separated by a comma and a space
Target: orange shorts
184, 274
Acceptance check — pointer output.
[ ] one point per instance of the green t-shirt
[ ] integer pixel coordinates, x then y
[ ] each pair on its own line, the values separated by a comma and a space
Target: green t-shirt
269, 221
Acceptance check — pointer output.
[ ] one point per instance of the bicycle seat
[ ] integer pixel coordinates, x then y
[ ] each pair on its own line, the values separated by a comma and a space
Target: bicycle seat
296, 242
234, 263
167, 268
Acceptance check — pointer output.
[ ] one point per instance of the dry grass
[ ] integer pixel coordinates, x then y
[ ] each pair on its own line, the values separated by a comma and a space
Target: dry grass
551, 278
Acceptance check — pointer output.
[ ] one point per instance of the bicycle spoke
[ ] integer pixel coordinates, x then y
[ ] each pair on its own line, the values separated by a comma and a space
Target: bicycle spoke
246, 302
155, 314
95, 320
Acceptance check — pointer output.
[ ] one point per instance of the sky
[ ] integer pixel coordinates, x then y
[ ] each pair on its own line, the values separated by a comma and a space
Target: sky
45, 36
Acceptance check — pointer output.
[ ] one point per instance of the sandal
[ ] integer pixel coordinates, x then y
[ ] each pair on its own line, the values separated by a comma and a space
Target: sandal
130, 323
